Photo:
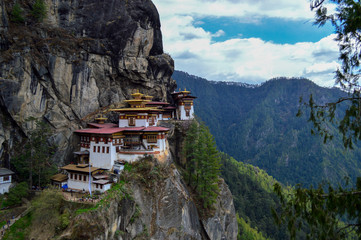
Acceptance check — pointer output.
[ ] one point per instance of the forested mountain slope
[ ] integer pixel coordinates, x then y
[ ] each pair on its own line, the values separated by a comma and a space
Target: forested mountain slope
253, 197
258, 125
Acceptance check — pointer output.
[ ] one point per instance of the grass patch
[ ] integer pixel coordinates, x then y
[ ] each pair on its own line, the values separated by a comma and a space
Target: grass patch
18, 229
2, 223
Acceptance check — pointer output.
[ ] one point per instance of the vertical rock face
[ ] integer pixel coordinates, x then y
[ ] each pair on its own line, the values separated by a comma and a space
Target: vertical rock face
162, 209
84, 56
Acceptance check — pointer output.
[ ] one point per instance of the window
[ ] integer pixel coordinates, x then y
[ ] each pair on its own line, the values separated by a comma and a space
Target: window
96, 185
75, 177
131, 121
103, 149
152, 138
96, 140
187, 113
99, 149
101, 186
95, 149
107, 149
71, 176
6, 178
151, 121
84, 178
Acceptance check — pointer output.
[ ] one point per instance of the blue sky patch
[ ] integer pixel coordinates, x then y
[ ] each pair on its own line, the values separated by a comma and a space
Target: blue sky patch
277, 30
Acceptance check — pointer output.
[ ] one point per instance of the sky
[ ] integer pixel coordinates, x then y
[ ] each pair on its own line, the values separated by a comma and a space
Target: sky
248, 41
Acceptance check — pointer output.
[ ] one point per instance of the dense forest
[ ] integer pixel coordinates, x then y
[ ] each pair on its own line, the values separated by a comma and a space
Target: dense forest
253, 197
258, 125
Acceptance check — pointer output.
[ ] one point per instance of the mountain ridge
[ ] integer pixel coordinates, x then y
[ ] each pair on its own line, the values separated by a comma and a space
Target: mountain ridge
259, 126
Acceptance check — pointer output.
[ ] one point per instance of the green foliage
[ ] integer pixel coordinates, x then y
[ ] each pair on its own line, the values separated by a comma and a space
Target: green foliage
64, 220
246, 232
46, 210
34, 163
331, 213
39, 10
188, 151
17, 14
203, 163
253, 197
20, 229
15, 195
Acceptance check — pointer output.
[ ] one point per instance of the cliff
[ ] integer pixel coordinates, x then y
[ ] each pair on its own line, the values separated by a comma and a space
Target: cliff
84, 56
158, 207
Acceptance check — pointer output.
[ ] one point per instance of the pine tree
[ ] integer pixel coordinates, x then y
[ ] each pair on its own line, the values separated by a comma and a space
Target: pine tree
203, 163
17, 14
39, 10
35, 160
208, 162
189, 150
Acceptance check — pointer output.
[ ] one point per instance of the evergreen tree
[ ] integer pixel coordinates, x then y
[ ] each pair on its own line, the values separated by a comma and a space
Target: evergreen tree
189, 150
17, 14
39, 10
35, 160
203, 163
208, 161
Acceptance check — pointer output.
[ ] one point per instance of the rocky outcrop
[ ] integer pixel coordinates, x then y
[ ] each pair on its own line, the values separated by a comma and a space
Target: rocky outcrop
159, 209
223, 224
85, 56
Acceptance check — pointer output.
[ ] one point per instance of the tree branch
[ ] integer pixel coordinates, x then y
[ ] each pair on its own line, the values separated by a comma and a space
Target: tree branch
316, 4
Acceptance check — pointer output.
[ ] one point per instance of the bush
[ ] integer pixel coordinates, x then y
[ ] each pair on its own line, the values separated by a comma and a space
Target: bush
16, 194
39, 10
17, 14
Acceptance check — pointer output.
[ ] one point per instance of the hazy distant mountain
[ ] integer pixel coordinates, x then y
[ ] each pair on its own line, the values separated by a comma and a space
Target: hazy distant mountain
257, 124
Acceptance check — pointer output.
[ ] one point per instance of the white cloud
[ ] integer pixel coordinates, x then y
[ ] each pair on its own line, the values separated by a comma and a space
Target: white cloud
249, 60
219, 33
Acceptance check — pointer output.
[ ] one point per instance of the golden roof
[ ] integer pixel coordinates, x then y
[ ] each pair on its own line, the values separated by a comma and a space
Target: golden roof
137, 95
185, 91
137, 109
148, 97
136, 100
59, 177
80, 168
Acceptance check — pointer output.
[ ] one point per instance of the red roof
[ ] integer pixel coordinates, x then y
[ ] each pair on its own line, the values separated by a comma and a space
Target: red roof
133, 128
100, 130
156, 129
169, 108
122, 129
157, 103
104, 125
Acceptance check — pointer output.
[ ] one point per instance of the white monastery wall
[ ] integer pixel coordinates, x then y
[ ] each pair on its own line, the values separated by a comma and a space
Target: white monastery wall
100, 159
182, 113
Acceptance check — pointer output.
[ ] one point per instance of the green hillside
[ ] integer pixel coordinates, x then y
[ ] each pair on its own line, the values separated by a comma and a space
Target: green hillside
253, 198
258, 125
